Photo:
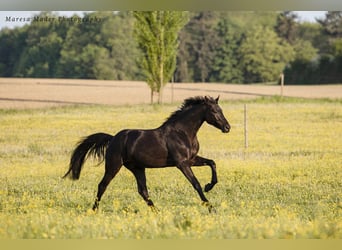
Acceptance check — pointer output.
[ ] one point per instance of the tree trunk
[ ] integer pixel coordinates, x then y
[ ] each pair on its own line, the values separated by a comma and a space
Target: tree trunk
160, 96
161, 62
151, 96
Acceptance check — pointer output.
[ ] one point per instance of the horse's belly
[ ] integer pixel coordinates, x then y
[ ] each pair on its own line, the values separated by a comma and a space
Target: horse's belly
152, 158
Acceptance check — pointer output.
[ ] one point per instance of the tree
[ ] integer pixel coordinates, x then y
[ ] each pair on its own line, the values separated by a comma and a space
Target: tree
79, 51
209, 47
41, 51
226, 66
304, 51
324, 66
118, 36
12, 44
157, 36
331, 28
337, 47
197, 47
287, 26
312, 32
264, 55
246, 19
40, 59
332, 23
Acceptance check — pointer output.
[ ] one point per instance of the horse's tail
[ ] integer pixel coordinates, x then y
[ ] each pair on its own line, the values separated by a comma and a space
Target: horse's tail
95, 145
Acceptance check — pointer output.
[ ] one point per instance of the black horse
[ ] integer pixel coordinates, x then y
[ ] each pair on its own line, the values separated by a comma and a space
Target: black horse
174, 143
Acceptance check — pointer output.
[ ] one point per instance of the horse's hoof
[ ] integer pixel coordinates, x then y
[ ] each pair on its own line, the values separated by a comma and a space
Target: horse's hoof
96, 205
154, 209
208, 187
210, 207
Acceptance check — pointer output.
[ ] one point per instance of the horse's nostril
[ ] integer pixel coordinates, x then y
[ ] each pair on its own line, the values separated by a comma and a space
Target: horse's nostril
226, 129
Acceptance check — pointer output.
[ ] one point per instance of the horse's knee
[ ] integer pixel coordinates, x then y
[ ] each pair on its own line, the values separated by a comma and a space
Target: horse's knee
212, 163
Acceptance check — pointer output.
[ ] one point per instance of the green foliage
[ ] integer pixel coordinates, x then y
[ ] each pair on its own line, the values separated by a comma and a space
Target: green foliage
332, 24
12, 43
304, 51
226, 66
157, 36
337, 47
320, 61
121, 43
213, 46
264, 55
104, 49
313, 33
38, 59
285, 185
287, 26
199, 40
325, 69
246, 19
38, 48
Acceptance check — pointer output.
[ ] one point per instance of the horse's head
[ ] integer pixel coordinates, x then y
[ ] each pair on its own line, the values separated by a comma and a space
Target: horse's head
214, 115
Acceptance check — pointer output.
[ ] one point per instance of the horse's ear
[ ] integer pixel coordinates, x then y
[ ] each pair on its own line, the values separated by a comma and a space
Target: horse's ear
206, 98
217, 99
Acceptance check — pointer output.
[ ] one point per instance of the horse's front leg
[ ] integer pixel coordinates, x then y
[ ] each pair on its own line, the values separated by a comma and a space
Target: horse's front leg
201, 161
186, 170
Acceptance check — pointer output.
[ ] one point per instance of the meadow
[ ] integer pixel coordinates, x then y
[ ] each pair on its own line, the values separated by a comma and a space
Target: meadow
286, 184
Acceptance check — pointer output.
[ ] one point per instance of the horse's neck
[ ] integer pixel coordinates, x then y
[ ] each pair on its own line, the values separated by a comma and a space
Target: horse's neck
191, 121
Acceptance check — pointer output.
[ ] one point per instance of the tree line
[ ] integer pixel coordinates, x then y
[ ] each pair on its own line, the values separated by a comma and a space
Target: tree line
213, 46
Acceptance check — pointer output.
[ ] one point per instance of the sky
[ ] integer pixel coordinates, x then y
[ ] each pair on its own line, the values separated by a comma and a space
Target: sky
308, 16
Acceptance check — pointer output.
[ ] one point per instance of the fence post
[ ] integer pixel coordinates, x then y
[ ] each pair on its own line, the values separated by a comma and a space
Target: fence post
281, 84
245, 126
172, 89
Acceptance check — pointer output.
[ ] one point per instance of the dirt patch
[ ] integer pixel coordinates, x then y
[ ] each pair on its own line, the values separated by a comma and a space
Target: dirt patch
37, 93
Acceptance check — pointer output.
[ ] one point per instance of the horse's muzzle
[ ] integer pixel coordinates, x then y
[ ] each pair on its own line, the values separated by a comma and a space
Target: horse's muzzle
226, 128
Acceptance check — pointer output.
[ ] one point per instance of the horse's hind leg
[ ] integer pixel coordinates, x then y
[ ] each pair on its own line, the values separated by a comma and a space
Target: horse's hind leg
140, 176
113, 165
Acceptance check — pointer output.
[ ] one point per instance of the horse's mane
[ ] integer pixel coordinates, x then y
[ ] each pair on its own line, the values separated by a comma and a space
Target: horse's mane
186, 105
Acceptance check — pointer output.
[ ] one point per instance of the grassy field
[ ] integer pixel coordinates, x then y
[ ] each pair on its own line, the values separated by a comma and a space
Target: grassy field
287, 184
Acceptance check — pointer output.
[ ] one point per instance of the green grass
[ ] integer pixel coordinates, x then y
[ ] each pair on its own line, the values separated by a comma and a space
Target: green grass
287, 184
